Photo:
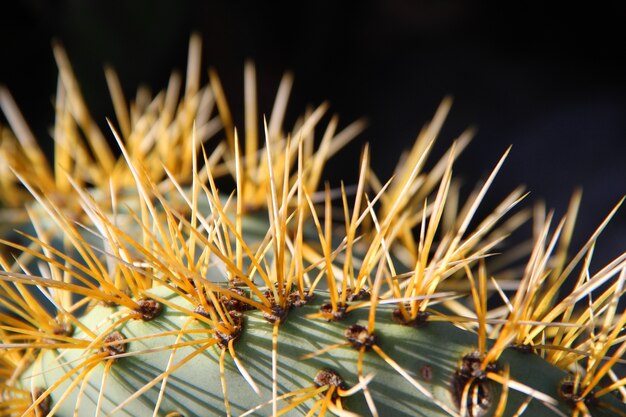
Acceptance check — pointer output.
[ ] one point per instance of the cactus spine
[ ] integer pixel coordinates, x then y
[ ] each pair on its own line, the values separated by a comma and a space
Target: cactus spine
137, 286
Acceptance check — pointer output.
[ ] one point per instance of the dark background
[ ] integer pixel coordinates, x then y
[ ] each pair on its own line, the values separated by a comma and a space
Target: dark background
547, 79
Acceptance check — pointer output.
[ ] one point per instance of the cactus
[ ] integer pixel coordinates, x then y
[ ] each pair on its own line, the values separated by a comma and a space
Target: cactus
146, 284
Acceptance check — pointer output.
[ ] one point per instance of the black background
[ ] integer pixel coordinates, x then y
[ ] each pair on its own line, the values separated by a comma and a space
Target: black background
547, 79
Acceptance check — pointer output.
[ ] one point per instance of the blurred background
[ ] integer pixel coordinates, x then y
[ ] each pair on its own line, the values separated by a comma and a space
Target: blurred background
550, 80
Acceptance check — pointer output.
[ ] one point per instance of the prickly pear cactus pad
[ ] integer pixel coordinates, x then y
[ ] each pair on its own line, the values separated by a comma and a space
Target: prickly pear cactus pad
198, 270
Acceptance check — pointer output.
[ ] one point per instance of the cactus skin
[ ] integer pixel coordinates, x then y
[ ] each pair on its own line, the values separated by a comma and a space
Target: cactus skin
148, 231
195, 384
195, 388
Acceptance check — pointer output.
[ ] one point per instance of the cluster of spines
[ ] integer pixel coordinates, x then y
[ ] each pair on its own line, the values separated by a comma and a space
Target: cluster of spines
403, 252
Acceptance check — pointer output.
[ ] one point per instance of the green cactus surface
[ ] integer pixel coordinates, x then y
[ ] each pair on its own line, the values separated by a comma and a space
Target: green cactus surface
429, 356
